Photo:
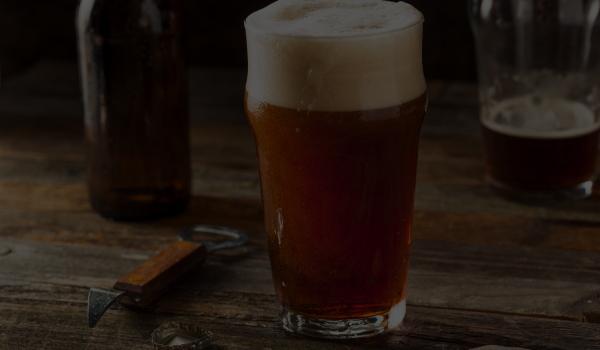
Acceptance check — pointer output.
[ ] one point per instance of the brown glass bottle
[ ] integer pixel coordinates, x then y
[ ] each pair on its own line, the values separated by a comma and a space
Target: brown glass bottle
135, 98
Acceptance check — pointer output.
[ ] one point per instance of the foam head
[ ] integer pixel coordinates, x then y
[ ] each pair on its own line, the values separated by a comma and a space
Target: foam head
541, 117
330, 55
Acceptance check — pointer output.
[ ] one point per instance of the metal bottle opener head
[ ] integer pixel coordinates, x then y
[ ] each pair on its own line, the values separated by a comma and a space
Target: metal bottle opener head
185, 257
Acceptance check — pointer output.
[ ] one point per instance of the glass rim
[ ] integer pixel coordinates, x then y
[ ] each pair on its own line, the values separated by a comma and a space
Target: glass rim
256, 30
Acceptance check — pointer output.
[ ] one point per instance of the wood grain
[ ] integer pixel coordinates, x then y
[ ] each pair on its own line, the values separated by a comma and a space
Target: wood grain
548, 283
44, 197
424, 328
442, 186
447, 198
507, 230
482, 200
483, 270
161, 272
246, 214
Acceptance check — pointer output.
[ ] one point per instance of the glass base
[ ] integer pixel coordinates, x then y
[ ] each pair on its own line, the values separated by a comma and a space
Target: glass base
349, 328
570, 194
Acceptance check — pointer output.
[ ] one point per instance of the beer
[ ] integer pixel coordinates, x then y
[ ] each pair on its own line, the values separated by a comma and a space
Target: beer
336, 98
338, 192
538, 143
135, 94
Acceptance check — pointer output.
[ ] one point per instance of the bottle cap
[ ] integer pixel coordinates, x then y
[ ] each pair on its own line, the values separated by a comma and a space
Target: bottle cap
181, 336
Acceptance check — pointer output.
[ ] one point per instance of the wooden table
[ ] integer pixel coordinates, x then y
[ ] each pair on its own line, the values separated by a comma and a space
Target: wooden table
483, 270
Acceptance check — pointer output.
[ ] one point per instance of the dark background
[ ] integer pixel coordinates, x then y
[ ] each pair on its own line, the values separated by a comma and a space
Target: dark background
31, 30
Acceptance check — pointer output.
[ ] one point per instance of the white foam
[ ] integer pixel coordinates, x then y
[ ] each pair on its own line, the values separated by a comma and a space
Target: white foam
333, 18
541, 117
329, 55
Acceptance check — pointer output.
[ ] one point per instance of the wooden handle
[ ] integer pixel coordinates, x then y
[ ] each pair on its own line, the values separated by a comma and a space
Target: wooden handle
154, 277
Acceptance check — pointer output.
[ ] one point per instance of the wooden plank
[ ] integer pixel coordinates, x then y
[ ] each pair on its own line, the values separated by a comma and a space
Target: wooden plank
507, 230
231, 184
448, 171
44, 197
248, 322
225, 183
30, 153
30, 137
219, 166
202, 299
63, 137
81, 265
85, 227
516, 281
502, 262
39, 170
26, 178
434, 192
438, 256
482, 200
462, 192
246, 214
441, 161
443, 211
450, 150
34, 136
223, 146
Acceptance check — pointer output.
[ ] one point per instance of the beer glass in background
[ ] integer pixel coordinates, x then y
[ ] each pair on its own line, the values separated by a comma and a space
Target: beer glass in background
336, 97
539, 80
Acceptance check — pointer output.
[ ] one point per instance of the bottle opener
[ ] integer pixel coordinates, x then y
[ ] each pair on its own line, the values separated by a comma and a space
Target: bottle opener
150, 280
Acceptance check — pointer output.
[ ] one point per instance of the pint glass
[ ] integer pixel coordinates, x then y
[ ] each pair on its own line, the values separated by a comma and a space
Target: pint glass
336, 113
539, 88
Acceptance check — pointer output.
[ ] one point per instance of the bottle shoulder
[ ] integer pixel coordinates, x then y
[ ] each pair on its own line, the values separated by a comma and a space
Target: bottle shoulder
111, 17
